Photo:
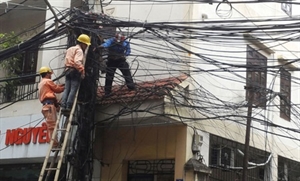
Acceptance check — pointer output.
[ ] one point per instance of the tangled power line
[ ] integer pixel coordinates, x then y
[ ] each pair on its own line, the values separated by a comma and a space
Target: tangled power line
163, 46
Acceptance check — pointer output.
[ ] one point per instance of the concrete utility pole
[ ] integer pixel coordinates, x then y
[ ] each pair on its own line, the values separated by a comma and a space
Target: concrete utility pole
248, 126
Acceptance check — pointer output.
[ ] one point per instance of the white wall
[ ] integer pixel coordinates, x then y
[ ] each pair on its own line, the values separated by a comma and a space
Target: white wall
22, 151
54, 58
229, 87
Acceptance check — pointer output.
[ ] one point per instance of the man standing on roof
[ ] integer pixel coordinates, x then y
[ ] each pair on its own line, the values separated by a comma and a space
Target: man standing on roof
118, 49
47, 91
74, 67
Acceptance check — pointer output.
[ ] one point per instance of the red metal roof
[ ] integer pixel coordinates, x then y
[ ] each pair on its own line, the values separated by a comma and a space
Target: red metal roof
147, 90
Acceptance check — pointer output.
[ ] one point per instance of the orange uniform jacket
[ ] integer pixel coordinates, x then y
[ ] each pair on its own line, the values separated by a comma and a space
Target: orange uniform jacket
74, 58
47, 89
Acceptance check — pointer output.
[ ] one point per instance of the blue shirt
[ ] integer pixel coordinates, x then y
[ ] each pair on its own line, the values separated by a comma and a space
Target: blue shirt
117, 48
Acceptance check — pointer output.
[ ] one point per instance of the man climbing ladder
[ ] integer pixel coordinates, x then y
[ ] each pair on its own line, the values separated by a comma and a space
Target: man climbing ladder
47, 91
74, 71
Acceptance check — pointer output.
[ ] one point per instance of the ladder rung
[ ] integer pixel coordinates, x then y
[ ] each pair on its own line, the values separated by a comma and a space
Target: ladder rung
51, 169
56, 149
62, 129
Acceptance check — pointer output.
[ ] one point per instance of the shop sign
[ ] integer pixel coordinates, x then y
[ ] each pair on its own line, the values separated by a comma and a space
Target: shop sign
25, 136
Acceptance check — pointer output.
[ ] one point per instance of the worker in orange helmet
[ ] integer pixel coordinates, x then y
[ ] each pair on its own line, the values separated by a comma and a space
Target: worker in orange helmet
74, 68
47, 96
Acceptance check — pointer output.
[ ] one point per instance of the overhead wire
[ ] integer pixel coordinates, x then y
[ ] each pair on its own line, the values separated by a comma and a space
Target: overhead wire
207, 99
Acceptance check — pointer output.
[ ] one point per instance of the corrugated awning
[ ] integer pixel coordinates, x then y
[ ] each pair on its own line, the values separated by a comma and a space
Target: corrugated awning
195, 165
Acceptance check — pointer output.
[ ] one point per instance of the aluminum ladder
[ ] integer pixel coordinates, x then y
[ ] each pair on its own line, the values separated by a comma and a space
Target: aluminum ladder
59, 152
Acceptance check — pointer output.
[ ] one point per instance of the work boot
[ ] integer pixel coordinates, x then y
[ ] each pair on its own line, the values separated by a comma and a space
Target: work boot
131, 86
64, 109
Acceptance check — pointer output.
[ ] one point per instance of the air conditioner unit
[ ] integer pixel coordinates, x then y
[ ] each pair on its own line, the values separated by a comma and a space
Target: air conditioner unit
197, 142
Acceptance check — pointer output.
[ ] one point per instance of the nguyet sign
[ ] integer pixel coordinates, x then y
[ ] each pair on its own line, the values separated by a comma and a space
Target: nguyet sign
28, 135
23, 137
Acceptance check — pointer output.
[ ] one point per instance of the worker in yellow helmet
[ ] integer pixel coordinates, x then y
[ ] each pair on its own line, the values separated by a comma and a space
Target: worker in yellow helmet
74, 71
47, 96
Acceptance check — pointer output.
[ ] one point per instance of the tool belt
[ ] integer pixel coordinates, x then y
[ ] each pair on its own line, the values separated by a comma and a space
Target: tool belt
50, 102
69, 69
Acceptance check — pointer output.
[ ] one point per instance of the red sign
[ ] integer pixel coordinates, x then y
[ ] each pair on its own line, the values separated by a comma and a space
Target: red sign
27, 135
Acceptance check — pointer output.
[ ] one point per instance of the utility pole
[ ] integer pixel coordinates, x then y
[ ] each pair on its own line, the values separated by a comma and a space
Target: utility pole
248, 126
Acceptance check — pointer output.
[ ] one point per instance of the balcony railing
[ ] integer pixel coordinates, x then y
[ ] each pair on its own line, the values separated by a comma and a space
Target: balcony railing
11, 90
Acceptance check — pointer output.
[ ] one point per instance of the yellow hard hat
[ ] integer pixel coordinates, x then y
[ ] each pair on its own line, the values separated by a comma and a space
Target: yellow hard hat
45, 70
83, 38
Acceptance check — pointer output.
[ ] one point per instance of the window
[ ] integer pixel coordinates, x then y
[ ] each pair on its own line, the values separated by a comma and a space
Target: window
256, 77
224, 153
221, 156
24, 66
285, 94
28, 65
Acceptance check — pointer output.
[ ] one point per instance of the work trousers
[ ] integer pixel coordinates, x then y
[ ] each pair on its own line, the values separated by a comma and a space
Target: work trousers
71, 85
123, 66
50, 115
